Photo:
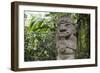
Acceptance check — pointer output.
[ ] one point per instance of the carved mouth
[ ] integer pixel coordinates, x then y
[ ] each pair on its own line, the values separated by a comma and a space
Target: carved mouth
63, 30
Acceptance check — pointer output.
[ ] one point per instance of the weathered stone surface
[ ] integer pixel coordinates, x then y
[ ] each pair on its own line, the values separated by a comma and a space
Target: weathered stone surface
66, 40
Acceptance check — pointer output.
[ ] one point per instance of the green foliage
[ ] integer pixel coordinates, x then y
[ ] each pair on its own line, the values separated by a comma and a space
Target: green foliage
39, 40
83, 44
40, 47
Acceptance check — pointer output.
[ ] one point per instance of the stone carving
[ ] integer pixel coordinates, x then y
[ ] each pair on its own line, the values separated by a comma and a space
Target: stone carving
66, 40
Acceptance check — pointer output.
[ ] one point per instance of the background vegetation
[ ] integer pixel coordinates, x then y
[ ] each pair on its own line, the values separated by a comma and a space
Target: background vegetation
40, 30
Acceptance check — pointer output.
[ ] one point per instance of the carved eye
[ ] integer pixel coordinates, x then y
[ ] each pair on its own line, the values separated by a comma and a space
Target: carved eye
67, 24
62, 22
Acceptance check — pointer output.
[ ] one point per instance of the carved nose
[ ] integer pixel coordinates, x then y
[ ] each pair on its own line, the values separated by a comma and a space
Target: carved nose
62, 28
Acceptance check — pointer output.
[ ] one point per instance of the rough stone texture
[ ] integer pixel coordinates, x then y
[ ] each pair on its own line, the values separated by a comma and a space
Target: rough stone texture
66, 40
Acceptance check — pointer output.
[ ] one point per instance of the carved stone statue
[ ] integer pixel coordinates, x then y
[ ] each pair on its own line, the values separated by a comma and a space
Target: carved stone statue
66, 40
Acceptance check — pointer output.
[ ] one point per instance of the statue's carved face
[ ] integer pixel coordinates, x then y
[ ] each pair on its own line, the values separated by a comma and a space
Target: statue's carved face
65, 27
